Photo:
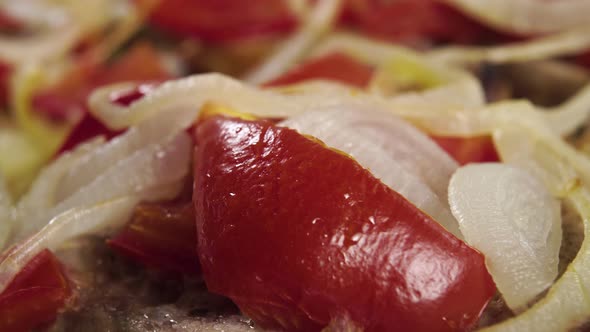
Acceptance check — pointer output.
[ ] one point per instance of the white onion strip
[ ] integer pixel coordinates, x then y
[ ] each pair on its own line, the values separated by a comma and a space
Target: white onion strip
151, 131
527, 17
559, 44
571, 115
320, 21
95, 219
139, 175
6, 214
510, 217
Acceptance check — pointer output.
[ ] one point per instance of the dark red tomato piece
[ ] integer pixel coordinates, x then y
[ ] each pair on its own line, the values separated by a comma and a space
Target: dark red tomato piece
297, 234
161, 236
335, 66
223, 20
583, 59
90, 127
9, 23
416, 21
36, 295
5, 72
466, 150
67, 100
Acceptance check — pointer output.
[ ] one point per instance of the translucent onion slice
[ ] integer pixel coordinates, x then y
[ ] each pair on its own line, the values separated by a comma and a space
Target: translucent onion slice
144, 174
571, 115
393, 150
527, 17
82, 220
149, 132
6, 214
441, 83
42, 194
534, 147
58, 27
510, 217
319, 22
194, 91
50, 45
554, 45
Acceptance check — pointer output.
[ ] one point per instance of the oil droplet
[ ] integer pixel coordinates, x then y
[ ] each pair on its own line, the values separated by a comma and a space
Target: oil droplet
356, 237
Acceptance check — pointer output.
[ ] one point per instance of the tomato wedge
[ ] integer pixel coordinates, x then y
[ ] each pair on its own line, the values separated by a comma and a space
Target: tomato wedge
35, 296
161, 236
337, 67
223, 20
466, 150
297, 234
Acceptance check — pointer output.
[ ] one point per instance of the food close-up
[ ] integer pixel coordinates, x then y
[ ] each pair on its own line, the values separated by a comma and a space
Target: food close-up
294, 165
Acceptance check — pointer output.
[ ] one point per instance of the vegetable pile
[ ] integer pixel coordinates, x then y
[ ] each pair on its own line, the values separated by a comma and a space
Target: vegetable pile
330, 165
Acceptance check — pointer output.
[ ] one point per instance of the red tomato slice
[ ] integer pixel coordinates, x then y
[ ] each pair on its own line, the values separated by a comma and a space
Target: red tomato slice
416, 21
9, 23
297, 234
469, 149
335, 66
67, 100
223, 20
38, 292
161, 236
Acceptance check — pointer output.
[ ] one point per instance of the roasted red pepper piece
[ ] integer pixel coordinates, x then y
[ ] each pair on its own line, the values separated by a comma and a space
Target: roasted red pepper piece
297, 234
223, 20
335, 66
162, 236
466, 150
35, 296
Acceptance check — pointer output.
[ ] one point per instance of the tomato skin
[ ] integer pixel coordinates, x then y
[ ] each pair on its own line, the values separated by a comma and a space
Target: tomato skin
35, 296
67, 99
161, 236
297, 234
223, 20
337, 67
464, 150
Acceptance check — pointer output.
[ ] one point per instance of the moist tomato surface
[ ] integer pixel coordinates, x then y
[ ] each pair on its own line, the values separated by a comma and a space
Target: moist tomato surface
297, 234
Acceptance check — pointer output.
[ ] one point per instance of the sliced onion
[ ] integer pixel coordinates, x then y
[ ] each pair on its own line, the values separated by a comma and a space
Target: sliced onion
42, 195
82, 220
394, 151
452, 86
571, 115
510, 217
527, 17
550, 46
6, 214
149, 132
534, 147
319, 22
58, 27
194, 91
141, 175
